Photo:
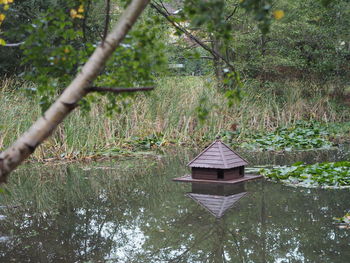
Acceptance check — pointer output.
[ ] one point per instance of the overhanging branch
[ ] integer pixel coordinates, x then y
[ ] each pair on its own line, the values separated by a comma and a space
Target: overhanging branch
118, 90
66, 102
14, 44
201, 57
233, 12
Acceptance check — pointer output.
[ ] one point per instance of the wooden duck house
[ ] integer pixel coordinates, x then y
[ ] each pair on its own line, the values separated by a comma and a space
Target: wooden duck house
218, 163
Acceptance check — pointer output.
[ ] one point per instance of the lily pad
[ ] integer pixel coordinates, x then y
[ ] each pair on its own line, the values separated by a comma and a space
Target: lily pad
335, 174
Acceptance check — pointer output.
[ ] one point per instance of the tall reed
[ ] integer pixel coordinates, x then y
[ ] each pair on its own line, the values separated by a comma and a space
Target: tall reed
170, 110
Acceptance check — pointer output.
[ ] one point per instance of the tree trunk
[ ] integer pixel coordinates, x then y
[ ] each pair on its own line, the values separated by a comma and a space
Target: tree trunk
45, 125
218, 65
221, 68
263, 53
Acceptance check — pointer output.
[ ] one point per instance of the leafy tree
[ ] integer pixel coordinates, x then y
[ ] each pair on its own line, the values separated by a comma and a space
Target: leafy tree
68, 100
306, 39
309, 42
21, 23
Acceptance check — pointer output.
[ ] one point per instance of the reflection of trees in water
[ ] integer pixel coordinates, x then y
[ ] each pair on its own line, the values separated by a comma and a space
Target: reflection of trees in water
67, 237
77, 215
275, 223
299, 224
195, 236
138, 215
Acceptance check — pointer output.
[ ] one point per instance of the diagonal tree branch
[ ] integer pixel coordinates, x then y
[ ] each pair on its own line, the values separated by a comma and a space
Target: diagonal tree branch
14, 44
118, 90
105, 31
232, 13
200, 42
44, 126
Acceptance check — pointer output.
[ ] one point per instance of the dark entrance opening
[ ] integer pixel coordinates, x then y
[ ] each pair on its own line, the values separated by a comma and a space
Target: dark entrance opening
241, 170
220, 174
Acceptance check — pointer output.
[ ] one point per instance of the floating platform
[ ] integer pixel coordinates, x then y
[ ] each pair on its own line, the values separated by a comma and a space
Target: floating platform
188, 179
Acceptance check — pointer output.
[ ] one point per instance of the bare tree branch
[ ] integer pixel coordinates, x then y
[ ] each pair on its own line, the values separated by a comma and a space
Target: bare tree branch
105, 31
166, 10
118, 90
201, 57
233, 12
159, 9
14, 44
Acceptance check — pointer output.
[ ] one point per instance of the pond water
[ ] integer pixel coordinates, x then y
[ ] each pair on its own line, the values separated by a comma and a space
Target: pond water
131, 211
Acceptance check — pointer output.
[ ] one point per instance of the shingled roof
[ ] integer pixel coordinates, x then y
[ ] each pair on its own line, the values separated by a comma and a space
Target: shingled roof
217, 205
218, 156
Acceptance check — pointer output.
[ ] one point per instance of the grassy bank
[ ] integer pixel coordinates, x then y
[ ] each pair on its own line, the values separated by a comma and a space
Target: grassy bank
168, 116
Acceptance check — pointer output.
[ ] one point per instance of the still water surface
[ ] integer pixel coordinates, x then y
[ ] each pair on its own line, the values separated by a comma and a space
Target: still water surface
131, 211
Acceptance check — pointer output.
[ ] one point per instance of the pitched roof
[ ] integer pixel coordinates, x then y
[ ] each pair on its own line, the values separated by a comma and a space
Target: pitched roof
217, 205
219, 156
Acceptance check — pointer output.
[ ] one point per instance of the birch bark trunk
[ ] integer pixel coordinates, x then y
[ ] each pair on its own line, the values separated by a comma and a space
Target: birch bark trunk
45, 125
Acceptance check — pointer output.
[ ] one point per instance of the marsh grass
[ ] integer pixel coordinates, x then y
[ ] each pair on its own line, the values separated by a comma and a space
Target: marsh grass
169, 113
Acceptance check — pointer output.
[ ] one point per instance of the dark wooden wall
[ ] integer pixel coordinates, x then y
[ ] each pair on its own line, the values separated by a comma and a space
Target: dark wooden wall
212, 174
204, 173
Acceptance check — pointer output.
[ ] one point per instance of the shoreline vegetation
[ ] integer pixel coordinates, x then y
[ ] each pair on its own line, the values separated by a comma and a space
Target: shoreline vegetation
324, 175
276, 117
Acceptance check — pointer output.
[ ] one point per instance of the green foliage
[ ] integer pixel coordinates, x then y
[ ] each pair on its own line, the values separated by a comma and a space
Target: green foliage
149, 142
339, 129
57, 47
232, 79
26, 13
261, 10
203, 109
320, 174
213, 14
309, 42
301, 136
138, 61
55, 51
310, 39
210, 22
209, 14
194, 61
171, 109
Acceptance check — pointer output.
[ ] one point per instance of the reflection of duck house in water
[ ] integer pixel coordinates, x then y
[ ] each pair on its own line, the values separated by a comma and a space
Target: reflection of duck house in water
217, 164
217, 199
